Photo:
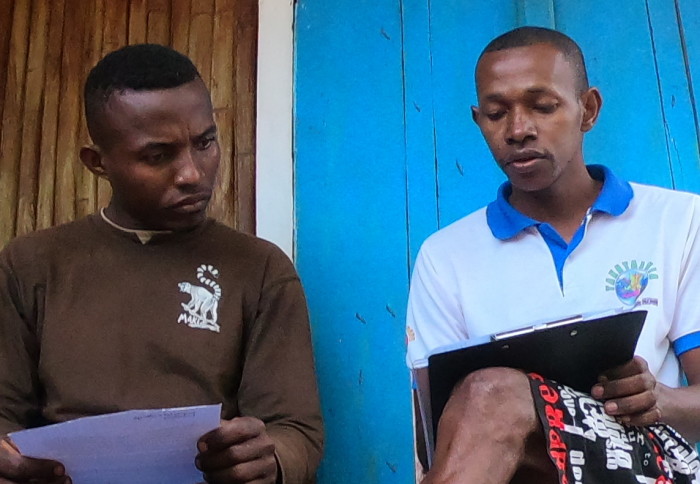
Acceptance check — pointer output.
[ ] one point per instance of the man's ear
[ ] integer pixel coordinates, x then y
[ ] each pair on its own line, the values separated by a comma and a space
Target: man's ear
92, 159
475, 114
592, 101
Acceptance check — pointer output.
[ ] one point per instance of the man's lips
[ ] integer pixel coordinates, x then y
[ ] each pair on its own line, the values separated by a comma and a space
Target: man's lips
191, 203
524, 161
524, 157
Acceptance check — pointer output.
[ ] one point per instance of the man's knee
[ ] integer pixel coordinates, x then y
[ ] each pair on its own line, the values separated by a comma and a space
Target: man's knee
501, 395
496, 385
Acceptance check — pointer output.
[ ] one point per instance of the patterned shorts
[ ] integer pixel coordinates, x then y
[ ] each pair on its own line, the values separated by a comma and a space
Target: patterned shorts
587, 446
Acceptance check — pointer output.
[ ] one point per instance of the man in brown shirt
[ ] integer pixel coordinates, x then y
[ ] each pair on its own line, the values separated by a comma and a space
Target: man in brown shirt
150, 303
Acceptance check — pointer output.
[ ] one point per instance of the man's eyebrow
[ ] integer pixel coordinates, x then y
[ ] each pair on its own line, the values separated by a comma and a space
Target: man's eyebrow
541, 90
531, 91
207, 132
493, 97
154, 145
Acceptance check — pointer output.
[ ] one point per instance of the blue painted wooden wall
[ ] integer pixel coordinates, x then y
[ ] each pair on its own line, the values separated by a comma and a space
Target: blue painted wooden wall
386, 153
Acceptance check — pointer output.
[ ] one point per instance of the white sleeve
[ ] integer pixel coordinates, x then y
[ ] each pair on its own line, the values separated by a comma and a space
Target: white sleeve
686, 318
434, 317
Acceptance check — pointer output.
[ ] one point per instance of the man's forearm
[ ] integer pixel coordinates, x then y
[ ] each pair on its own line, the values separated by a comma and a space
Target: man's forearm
680, 408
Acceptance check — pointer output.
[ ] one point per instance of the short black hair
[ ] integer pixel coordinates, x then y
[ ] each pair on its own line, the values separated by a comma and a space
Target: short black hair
526, 36
140, 67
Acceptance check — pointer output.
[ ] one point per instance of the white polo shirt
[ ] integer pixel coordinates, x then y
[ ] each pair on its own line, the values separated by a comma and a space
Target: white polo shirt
497, 269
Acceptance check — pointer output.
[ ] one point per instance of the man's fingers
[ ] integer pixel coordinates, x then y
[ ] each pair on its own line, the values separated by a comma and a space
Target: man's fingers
632, 405
231, 432
57, 480
630, 393
240, 451
623, 387
20, 468
635, 366
650, 417
257, 448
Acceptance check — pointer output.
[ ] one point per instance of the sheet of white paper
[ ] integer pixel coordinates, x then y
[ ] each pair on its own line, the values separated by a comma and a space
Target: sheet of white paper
136, 446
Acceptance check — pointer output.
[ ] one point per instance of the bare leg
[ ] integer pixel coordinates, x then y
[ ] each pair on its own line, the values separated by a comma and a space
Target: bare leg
536, 467
489, 430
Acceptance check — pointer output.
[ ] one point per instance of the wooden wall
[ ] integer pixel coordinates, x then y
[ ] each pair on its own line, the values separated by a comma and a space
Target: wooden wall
46, 49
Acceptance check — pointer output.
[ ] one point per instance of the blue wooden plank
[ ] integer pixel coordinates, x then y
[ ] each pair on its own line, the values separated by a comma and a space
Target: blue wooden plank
538, 13
385, 144
630, 135
688, 19
467, 174
677, 105
351, 231
689, 15
421, 158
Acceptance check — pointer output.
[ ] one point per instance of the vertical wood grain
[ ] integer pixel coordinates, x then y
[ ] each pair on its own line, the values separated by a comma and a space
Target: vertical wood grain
200, 40
180, 25
138, 16
116, 26
10, 144
246, 47
223, 95
85, 181
158, 22
69, 111
7, 7
31, 120
49, 118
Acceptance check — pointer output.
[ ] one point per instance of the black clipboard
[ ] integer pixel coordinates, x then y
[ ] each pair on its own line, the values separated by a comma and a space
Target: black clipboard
573, 351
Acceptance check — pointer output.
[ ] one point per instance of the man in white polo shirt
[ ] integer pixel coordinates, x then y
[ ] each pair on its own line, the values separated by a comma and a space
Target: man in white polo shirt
561, 238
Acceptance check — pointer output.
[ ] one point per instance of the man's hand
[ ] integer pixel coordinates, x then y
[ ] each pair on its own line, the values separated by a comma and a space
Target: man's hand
631, 393
238, 452
16, 468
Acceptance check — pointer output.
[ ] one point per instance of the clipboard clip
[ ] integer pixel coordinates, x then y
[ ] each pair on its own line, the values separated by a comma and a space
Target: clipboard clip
537, 327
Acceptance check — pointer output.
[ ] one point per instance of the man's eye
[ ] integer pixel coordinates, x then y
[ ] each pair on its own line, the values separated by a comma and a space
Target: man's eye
205, 143
545, 107
155, 157
495, 115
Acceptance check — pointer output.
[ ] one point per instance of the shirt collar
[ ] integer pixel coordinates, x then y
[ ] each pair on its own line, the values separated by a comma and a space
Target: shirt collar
144, 236
506, 222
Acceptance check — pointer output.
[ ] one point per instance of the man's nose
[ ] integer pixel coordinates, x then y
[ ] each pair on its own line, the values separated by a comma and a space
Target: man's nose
188, 171
521, 127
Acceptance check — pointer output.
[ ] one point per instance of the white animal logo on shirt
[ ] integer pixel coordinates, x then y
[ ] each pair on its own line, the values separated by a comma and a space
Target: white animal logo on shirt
201, 310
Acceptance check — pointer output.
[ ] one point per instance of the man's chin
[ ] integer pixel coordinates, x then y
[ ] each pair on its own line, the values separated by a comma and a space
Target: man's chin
180, 222
529, 184
186, 224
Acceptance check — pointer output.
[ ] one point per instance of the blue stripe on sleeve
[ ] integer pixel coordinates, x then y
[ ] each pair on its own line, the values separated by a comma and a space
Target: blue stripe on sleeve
686, 343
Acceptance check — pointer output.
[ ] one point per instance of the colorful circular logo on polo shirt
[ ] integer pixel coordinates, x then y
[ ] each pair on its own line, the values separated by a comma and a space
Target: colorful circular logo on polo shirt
630, 279
630, 285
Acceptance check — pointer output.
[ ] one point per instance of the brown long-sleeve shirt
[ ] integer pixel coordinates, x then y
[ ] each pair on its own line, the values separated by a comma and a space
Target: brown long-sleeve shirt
94, 321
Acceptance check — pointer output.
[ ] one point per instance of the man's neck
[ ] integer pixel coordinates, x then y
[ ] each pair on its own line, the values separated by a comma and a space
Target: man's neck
144, 236
564, 204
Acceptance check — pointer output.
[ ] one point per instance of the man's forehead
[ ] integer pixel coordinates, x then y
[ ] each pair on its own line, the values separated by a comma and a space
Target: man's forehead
135, 118
191, 99
192, 95
533, 67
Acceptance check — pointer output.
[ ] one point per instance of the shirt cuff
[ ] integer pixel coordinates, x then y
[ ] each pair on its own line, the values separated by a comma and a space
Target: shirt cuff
686, 343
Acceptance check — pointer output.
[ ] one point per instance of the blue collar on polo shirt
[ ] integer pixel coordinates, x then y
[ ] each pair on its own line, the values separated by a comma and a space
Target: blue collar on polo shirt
506, 222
